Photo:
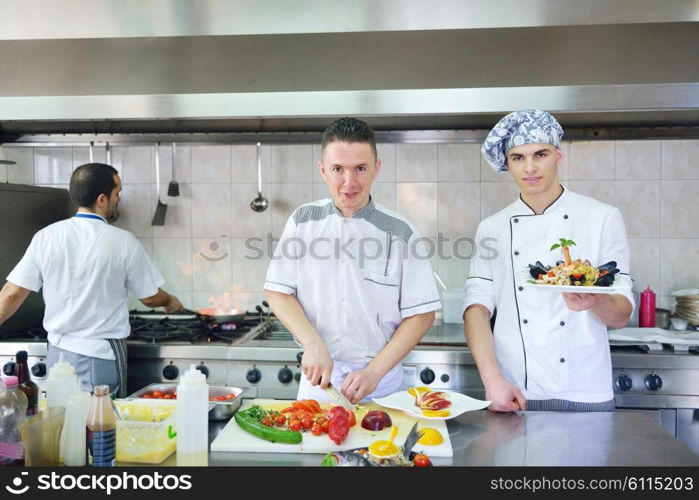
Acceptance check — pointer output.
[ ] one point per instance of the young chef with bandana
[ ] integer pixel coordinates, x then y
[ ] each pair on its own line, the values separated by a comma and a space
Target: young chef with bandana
86, 269
548, 350
350, 278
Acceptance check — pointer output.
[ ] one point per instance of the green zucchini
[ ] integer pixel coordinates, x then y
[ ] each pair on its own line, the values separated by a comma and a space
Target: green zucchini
249, 423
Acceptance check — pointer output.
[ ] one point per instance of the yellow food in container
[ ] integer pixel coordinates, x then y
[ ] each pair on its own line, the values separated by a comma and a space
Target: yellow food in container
147, 432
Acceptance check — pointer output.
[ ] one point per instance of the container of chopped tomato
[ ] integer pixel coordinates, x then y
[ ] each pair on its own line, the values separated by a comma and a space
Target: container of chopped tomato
224, 401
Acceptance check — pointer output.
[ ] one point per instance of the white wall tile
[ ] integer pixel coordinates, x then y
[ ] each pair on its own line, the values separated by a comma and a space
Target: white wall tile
639, 202
213, 264
211, 210
249, 268
459, 162
385, 194
136, 209
136, 164
178, 218
211, 164
488, 173
592, 160
601, 191
244, 163
293, 163
417, 162
680, 159
638, 159
320, 191
183, 163
679, 213
418, 202
678, 257
459, 208
53, 165
173, 257
285, 199
497, 195
315, 158
645, 263
387, 155
246, 222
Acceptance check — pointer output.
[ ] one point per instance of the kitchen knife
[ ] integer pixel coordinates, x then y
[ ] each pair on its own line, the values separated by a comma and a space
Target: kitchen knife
339, 398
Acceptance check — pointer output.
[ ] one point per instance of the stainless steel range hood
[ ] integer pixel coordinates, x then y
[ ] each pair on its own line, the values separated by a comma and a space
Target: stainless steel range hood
235, 66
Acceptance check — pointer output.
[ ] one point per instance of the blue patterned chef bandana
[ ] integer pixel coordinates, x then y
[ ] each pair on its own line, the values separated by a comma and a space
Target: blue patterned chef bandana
526, 126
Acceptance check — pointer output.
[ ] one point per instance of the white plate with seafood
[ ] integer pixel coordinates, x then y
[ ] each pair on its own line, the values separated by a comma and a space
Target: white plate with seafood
402, 400
616, 287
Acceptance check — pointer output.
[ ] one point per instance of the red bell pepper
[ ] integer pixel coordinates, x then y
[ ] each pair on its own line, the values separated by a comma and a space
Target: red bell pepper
339, 424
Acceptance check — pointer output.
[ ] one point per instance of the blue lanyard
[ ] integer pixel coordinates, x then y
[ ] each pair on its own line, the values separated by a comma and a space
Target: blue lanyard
88, 216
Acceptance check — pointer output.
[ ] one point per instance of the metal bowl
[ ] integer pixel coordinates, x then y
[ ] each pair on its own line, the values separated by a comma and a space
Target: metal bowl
218, 410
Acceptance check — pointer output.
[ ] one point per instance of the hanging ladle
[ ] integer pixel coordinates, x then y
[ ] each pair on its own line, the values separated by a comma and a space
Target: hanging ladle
260, 203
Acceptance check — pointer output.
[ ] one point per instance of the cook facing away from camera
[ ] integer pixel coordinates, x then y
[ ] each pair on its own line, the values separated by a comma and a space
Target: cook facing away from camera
548, 350
351, 279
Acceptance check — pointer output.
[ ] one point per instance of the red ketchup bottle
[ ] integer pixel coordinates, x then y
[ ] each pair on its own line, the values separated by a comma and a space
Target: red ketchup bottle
646, 315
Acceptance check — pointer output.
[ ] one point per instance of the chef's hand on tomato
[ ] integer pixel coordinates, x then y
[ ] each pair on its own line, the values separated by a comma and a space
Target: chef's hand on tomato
504, 396
316, 363
583, 301
359, 384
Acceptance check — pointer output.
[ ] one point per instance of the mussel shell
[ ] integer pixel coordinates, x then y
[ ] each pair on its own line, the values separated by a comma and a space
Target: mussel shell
606, 280
536, 269
573, 281
609, 266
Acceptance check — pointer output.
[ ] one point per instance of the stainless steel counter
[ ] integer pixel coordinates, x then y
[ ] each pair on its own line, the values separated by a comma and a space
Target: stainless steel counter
484, 438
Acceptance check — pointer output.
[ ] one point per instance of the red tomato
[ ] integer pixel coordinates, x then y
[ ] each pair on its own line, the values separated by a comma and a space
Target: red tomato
267, 421
157, 394
317, 430
280, 420
352, 418
307, 421
421, 460
169, 395
147, 396
230, 396
294, 424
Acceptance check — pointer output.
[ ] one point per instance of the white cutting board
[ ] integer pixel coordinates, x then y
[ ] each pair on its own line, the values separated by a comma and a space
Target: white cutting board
233, 438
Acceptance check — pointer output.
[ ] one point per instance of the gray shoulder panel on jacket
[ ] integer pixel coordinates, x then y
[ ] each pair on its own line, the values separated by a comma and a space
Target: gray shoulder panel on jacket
390, 224
309, 213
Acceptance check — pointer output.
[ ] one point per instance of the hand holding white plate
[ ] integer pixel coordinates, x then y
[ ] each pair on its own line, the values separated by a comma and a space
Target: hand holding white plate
404, 401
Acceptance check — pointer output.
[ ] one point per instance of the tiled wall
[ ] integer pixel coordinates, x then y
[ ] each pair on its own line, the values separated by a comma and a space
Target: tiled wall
442, 188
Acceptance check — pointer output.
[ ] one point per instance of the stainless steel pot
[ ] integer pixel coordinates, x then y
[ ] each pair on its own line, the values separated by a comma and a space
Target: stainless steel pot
662, 318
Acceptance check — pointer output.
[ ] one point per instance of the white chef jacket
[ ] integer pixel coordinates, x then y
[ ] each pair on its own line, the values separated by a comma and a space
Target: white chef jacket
543, 347
86, 269
356, 277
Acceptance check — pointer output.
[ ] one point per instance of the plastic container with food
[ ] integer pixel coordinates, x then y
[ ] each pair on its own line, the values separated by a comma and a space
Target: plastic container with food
146, 432
223, 401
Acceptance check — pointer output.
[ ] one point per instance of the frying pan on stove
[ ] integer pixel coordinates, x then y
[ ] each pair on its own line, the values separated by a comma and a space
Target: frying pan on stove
208, 315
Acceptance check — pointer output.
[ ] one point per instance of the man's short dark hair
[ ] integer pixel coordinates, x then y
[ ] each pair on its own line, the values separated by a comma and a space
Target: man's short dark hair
91, 180
349, 130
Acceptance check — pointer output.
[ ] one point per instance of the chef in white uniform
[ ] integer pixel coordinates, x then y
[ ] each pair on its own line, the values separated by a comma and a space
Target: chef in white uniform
351, 279
548, 350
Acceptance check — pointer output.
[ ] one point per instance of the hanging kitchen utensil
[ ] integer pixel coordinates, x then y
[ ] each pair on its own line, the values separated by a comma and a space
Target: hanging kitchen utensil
260, 203
173, 188
109, 154
92, 143
161, 208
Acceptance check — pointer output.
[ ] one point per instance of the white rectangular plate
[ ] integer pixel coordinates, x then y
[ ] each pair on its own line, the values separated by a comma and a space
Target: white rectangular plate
615, 287
460, 403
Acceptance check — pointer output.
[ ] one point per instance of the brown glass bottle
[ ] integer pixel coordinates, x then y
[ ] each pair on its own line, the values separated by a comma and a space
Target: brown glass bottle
25, 383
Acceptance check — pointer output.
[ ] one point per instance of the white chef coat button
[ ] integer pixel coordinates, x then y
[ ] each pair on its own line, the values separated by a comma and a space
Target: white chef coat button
563, 323
516, 252
520, 288
565, 216
562, 360
516, 220
525, 321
